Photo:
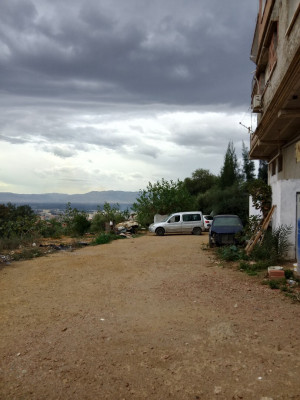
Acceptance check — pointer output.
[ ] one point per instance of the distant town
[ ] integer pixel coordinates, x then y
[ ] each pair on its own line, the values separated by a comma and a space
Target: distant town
53, 205
55, 211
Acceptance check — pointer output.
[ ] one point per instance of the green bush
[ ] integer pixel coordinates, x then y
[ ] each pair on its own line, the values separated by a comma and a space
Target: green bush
80, 224
289, 274
162, 197
27, 254
104, 238
277, 283
16, 221
75, 221
249, 268
10, 243
252, 225
274, 246
253, 268
229, 253
109, 213
98, 223
52, 228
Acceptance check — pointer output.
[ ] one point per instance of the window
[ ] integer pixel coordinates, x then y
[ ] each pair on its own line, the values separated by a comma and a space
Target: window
272, 56
191, 217
175, 218
227, 221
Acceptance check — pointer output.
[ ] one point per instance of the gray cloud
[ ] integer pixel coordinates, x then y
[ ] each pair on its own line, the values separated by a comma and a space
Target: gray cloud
118, 93
58, 151
170, 52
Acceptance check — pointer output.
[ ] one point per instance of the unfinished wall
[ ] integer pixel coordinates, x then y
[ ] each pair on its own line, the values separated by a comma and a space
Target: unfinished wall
287, 45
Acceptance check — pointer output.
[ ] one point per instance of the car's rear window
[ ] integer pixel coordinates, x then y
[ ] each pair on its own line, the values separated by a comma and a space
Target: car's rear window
227, 221
208, 217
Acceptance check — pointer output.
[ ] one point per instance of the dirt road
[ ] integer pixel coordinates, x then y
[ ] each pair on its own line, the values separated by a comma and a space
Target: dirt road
144, 318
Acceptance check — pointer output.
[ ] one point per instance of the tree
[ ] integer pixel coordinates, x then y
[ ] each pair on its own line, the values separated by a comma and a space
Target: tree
76, 221
16, 221
229, 195
112, 213
248, 165
231, 200
109, 213
200, 182
261, 194
263, 171
230, 172
162, 198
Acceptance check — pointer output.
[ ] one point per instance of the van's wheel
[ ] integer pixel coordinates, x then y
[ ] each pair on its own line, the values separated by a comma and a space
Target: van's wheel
197, 231
160, 231
211, 244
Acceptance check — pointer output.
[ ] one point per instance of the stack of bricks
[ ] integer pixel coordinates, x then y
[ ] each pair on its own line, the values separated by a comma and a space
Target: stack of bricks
276, 273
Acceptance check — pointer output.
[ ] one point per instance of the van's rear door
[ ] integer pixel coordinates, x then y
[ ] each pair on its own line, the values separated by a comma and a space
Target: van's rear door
190, 221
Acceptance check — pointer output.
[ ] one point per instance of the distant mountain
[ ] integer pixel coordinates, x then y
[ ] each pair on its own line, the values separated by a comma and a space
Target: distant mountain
109, 196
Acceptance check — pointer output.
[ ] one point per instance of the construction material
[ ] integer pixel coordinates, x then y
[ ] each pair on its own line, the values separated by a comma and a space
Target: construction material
276, 272
259, 233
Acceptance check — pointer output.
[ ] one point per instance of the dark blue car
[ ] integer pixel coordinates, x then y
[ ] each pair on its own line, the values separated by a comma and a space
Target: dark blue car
223, 230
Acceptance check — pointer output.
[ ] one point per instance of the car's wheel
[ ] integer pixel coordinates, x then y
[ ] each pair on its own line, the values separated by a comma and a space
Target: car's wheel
211, 244
197, 231
160, 231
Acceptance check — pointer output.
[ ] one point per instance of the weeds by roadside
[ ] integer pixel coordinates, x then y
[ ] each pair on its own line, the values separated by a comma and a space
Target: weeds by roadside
104, 238
27, 254
270, 252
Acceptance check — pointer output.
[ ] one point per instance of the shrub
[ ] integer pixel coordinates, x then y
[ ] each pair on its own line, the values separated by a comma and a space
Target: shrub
80, 224
76, 222
274, 246
252, 225
27, 254
10, 243
98, 223
109, 213
16, 221
104, 238
229, 253
277, 284
253, 268
289, 274
52, 228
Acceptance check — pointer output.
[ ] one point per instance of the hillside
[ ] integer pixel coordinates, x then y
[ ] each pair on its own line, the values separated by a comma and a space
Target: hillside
109, 196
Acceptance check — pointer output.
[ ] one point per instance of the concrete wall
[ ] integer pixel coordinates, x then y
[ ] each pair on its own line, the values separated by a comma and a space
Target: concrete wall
291, 169
284, 196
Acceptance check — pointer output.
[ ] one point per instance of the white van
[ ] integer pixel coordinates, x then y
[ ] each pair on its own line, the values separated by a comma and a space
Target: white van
182, 222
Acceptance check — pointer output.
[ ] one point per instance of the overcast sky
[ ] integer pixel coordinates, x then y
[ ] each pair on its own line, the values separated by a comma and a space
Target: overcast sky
113, 94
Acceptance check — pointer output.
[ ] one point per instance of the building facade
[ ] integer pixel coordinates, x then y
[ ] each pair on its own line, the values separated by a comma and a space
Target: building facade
276, 101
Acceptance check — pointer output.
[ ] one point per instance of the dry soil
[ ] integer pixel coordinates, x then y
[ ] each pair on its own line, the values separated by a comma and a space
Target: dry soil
144, 318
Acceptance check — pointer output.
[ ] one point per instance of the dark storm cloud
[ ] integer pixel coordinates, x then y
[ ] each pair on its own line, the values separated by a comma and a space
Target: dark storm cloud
133, 51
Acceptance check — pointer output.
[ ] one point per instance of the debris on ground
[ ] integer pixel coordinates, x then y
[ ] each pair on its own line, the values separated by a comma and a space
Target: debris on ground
127, 226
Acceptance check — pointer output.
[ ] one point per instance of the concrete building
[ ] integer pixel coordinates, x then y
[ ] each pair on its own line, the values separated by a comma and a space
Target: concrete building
276, 100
